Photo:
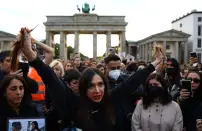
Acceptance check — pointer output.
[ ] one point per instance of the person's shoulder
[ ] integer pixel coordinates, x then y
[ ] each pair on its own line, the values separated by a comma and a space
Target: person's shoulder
174, 104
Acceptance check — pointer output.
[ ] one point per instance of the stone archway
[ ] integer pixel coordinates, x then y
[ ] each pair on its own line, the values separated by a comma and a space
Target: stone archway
85, 24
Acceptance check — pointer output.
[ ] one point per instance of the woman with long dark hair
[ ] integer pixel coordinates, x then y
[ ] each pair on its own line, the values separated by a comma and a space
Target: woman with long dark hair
156, 111
96, 109
191, 102
35, 126
173, 77
15, 100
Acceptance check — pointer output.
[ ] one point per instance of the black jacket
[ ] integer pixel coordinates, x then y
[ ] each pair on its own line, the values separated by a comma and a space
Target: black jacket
2, 74
67, 106
6, 112
191, 110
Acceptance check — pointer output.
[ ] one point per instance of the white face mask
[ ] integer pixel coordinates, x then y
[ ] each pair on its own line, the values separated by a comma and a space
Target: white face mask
114, 74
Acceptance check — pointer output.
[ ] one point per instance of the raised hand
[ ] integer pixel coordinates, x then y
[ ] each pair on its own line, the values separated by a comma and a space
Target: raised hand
27, 45
18, 72
184, 94
159, 57
193, 60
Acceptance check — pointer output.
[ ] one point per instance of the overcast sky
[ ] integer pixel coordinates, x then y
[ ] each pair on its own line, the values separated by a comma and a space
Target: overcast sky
144, 17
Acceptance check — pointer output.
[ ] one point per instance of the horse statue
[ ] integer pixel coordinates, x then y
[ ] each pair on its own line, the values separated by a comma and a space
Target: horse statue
85, 8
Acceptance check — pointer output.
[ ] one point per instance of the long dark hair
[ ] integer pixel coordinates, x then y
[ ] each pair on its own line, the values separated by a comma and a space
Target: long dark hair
5, 83
86, 79
177, 76
106, 104
35, 124
147, 97
198, 93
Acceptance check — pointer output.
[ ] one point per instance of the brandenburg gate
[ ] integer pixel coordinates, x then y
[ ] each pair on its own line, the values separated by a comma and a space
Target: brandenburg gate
85, 23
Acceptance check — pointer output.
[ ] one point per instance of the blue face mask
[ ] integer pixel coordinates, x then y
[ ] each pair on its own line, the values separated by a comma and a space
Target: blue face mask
114, 74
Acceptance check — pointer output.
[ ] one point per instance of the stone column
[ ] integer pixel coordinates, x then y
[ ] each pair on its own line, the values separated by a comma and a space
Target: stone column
130, 50
62, 46
2, 45
143, 52
108, 43
123, 41
139, 51
94, 45
177, 51
76, 42
180, 52
164, 47
65, 49
49, 38
146, 52
150, 51
185, 52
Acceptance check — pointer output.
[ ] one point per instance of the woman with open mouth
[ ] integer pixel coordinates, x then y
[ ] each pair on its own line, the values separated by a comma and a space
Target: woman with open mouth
96, 108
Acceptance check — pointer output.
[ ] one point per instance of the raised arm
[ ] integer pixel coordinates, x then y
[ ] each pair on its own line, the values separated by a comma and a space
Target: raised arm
48, 52
56, 87
131, 84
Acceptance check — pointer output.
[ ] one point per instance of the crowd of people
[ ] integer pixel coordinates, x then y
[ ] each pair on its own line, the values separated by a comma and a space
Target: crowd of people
107, 95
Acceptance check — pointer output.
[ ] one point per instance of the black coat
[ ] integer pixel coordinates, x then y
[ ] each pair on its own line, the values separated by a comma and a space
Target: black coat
2, 74
191, 110
67, 105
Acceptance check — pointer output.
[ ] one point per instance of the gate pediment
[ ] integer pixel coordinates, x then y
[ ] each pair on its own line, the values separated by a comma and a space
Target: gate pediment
172, 34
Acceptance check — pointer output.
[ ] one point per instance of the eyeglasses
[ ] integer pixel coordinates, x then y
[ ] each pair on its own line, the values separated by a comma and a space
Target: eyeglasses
195, 80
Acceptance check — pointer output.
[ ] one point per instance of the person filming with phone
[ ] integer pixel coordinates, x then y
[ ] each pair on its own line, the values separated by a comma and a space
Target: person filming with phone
190, 99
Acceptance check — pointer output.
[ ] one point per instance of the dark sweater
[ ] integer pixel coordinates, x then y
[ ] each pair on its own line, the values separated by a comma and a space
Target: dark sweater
191, 110
6, 112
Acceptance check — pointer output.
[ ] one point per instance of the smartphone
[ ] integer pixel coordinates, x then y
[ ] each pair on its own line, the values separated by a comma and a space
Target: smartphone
193, 54
186, 84
24, 67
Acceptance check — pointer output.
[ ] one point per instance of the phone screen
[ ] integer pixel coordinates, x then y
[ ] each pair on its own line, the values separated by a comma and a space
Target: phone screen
186, 84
